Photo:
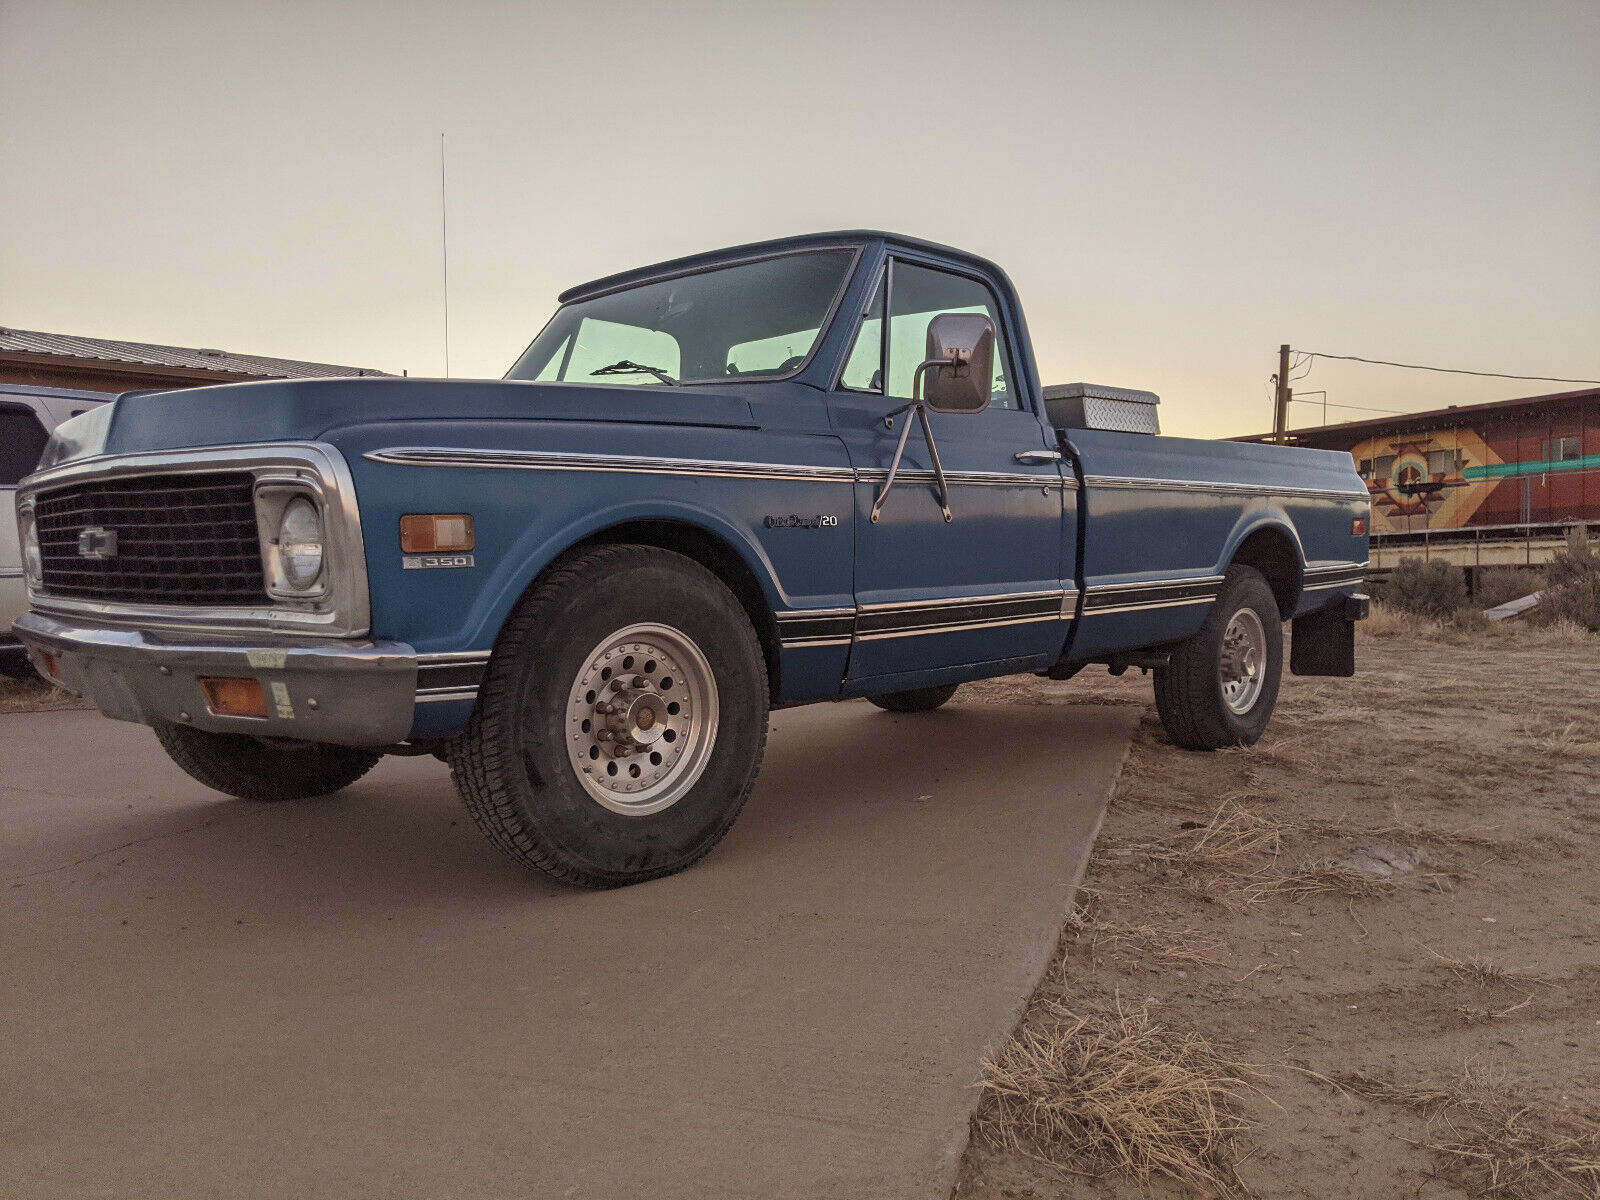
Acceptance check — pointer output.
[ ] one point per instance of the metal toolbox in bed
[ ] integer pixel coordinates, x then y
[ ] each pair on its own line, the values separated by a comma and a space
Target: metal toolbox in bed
1090, 406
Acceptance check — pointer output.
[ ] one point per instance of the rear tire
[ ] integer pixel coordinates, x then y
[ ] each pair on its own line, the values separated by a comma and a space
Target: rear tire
599, 785
250, 769
916, 700
1220, 687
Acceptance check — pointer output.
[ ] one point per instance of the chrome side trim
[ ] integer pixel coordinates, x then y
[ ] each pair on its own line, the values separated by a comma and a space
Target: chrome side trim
972, 478
541, 460
958, 601
1213, 487
438, 695
314, 465
1181, 602
701, 468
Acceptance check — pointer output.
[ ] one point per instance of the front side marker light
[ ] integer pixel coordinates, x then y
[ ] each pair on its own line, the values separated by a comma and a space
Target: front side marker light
1358, 527
235, 697
436, 533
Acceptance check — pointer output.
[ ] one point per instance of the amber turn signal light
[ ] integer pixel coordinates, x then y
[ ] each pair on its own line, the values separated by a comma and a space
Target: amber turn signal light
432, 533
1358, 527
51, 667
235, 697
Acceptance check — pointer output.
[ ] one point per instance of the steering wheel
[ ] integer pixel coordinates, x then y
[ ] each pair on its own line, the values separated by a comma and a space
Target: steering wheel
790, 364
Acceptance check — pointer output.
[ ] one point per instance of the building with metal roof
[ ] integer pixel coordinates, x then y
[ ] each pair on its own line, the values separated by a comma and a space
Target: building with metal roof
102, 365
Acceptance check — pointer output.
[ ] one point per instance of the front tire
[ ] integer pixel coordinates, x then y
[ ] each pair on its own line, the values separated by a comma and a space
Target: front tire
1220, 686
622, 722
248, 768
916, 700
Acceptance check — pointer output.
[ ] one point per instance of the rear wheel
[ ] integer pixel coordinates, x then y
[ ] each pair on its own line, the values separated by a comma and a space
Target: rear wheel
254, 769
622, 722
917, 700
1220, 687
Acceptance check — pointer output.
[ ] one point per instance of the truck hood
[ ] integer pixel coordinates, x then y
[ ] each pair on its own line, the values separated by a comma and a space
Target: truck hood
306, 410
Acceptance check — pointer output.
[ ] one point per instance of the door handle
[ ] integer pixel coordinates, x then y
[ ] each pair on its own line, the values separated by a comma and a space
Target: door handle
1038, 456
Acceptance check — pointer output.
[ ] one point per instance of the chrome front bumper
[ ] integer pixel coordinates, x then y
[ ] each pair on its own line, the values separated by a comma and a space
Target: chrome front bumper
319, 690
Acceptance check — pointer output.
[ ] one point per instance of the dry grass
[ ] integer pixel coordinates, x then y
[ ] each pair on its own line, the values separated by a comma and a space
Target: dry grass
33, 695
1156, 945
1317, 877
1224, 844
1476, 970
1112, 1091
1409, 832
1386, 622
1493, 1140
1573, 740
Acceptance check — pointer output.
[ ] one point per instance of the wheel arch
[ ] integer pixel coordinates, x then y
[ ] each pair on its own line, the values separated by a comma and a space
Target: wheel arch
720, 552
1272, 547
712, 552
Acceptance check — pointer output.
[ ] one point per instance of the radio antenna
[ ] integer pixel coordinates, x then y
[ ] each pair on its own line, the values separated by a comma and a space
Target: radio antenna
444, 256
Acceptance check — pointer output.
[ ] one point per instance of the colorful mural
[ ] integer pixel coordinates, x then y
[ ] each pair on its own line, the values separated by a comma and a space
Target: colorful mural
1422, 481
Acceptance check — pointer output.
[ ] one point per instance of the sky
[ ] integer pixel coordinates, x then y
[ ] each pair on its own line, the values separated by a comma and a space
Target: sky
1175, 188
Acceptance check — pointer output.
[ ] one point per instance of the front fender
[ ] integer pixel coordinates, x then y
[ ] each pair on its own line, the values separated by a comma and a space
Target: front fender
531, 554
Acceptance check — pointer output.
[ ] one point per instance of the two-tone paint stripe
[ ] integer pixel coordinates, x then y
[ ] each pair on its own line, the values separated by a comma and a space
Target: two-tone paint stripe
442, 677
1334, 576
807, 628
1105, 598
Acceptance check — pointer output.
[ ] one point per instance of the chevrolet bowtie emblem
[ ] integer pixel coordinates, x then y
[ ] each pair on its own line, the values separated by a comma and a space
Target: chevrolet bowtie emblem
95, 542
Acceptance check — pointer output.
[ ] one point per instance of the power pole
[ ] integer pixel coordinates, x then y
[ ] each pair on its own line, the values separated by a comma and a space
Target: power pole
1280, 400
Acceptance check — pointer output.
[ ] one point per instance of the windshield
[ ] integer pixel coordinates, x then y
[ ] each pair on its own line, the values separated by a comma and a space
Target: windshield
754, 319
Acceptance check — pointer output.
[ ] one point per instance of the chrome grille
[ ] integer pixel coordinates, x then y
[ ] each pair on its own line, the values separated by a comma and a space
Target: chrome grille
179, 539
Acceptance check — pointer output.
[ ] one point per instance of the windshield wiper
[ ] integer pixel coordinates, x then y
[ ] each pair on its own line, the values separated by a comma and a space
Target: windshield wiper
626, 367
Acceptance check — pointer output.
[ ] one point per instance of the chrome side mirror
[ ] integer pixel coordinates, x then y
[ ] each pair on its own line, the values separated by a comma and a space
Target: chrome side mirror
958, 374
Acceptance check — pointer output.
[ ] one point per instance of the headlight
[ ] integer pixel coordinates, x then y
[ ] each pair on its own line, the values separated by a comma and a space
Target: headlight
32, 560
299, 544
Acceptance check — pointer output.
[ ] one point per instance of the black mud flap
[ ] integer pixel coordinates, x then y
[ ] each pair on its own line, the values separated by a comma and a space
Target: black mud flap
1324, 643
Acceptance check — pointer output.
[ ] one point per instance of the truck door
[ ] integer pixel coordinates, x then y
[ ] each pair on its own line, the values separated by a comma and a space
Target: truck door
987, 585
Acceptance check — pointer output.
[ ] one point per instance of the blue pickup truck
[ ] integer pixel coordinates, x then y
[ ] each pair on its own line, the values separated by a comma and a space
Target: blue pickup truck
809, 469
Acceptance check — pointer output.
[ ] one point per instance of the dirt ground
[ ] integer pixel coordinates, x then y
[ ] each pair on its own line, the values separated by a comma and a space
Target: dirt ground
1434, 1032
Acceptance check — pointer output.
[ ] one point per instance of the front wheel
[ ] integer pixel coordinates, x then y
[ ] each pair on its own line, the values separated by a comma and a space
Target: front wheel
253, 769
622, 721
915, 701
1220, 686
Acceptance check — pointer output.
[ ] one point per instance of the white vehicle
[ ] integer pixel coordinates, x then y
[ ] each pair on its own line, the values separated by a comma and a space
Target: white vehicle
28, 415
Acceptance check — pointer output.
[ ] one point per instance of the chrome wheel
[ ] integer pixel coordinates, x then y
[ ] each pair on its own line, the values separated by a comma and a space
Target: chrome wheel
642, 719
1241, 666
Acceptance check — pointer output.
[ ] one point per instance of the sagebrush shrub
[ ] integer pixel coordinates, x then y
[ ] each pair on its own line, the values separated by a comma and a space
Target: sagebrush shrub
1427, 588
1573, 591
1498, 585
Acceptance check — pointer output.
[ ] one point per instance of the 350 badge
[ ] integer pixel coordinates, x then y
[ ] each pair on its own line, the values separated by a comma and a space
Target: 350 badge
430, 562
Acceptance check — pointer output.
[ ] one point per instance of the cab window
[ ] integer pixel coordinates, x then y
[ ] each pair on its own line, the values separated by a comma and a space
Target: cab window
22, 439
917, 295
863, 369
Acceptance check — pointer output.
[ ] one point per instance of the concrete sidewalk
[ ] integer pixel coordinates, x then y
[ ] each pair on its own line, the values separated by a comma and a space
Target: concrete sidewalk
356, 997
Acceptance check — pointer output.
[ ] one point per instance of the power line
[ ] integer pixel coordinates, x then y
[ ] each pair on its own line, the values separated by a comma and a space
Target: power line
1379, 362
1393, 412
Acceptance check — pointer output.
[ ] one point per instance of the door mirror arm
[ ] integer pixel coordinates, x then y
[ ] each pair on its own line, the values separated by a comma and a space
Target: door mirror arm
960, 353
919, 406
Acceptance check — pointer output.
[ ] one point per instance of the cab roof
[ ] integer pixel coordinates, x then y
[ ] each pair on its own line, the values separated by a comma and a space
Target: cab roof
860, 238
